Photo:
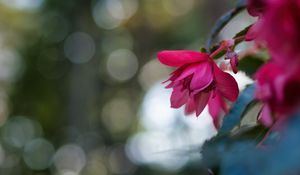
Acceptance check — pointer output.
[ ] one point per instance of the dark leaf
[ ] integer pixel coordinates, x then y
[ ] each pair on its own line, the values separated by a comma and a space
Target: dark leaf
281, 157
243, 32
250, 64
255, 133
238, 109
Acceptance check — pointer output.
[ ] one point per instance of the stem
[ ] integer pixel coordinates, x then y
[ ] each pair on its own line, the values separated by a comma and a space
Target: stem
239, 39
216, 52
221, 23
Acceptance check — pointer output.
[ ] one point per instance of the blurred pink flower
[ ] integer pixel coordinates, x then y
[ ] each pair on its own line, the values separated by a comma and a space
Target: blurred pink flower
278, 88
255, 8
198, 81
278, 27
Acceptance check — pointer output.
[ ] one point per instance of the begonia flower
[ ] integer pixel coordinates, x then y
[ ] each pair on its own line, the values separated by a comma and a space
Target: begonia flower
198, 81
278, 88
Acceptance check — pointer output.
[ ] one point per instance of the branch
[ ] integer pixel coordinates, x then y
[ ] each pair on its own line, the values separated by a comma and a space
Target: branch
223, 21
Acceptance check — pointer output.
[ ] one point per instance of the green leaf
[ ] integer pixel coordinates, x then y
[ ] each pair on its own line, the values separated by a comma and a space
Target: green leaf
255, 132
240, 34
250, 64
243, 32
235, 114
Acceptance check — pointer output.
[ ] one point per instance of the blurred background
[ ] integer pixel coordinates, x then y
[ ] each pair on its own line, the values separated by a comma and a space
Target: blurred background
80, 86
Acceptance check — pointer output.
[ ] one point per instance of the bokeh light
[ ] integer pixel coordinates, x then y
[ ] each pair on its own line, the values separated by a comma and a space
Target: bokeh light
38, 154
23, 4
20, 130
10, 65
69, 159
152, 72
156, 110
114, 120
122, 64
169, 138
109, 14
79, 47
96, 163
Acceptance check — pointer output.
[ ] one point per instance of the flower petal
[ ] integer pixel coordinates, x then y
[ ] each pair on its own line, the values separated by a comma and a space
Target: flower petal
256, 7
179, 97
201, 100
203, 76
226, 84
253, 31
189, 70
265, 116
177, 58
189, 107
216, 105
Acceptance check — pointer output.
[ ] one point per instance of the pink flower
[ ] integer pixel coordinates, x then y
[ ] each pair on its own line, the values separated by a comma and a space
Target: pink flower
278, 88
228, 46
198, 81
255, 8
280, 30
278, 26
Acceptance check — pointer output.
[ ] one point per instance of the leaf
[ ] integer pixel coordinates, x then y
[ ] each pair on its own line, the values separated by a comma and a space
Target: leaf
242, 32
281, 157
214, 149
237, 154
238, 109
255, 132
223, 21
250, 64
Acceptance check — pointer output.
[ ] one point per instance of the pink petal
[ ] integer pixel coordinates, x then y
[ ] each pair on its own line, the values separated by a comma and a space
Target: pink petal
253, 31
179, 97
263, 91
216, 105
189, 70
279, 84
189, 107
265, 116
256, 7
203, 76
226, 84
177, 58
201, 100
175, 74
